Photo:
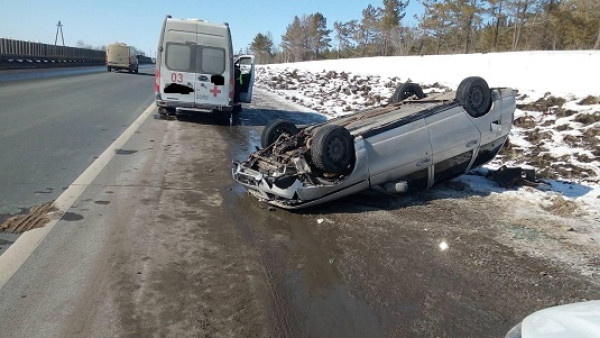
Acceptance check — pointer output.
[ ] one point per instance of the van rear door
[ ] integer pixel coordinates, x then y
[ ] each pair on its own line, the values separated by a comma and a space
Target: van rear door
177, 77
211, 85
246, 79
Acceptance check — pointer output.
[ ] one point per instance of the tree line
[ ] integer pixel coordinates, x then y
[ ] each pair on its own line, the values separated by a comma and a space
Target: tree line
444, 27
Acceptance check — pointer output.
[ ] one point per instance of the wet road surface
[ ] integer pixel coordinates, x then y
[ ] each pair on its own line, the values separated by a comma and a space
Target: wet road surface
164, 243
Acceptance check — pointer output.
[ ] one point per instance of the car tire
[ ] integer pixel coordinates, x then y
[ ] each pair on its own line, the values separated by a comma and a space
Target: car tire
136, 69
108, 69
332, 149
273, 130
406, 90
474, 96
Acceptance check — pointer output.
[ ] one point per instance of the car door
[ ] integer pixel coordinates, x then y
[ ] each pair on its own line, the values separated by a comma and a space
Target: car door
246, 78
400, 152
454, 139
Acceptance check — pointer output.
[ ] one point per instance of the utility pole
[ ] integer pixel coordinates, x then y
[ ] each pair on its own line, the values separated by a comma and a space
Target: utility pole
59, 28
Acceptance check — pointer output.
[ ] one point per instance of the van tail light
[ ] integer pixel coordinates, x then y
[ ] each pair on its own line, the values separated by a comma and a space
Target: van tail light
156, 80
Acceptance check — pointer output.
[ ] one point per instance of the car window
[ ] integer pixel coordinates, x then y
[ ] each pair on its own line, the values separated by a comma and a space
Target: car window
210, 60
179, 57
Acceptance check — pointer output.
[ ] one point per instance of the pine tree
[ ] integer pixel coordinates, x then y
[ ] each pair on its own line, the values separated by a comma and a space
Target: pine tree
391, 13
344, 32
318, 33
262, 46
293, 41
435, 24
368, 30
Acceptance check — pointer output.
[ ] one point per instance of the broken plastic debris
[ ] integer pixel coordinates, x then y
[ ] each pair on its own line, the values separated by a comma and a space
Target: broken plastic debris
320, 220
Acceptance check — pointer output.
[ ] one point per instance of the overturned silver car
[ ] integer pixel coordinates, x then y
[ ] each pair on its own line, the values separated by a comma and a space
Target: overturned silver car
411, 144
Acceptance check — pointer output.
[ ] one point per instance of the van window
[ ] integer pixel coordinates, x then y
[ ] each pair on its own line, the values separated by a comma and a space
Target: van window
210, 60
179, 57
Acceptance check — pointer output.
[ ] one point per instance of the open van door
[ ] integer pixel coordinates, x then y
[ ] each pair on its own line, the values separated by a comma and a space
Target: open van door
246, 78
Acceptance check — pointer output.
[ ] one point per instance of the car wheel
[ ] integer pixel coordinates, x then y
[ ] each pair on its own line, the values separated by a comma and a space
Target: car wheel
474, 96
275, 129
108, 69
332, 149
406, 90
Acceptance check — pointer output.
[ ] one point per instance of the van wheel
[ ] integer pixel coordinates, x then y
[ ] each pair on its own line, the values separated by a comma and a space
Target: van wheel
108, 69
275, 129
474, 96
332, 149
136, 69
406, 90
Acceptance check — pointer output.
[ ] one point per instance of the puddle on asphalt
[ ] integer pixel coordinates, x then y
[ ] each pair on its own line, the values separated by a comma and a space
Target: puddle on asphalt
309, 294
125, 151
71, 216
331, 311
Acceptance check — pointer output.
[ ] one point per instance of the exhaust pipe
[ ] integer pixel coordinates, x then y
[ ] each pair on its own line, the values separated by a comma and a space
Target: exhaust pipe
396, 187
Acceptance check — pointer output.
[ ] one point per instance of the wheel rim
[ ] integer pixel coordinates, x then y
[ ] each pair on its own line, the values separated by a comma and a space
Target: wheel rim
476, 97
335, 150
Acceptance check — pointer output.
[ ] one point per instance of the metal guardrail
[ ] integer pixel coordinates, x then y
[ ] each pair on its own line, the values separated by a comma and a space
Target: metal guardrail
25, 54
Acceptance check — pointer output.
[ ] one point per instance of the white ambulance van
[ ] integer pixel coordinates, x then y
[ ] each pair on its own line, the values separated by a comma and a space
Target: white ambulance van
195, 68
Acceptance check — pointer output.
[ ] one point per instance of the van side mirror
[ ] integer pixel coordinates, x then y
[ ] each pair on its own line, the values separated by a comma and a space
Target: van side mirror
218, 80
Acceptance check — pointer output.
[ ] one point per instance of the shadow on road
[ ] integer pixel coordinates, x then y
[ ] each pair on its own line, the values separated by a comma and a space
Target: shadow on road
145, 74
261, 117
248, 117
372, 199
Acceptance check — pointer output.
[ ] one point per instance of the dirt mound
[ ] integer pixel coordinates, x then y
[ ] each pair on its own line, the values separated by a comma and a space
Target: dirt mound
543, 104
590, 100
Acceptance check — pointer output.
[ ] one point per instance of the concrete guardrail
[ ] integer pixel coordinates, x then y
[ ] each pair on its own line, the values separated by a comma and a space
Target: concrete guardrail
25, 54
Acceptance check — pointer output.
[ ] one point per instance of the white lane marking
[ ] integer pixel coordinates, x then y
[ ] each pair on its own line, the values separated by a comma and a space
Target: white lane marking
12, 259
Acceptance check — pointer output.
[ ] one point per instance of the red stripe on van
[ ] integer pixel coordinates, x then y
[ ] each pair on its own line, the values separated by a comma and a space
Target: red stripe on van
156, 81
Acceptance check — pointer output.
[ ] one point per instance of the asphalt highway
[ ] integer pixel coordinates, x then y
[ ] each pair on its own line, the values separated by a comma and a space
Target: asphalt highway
55, 122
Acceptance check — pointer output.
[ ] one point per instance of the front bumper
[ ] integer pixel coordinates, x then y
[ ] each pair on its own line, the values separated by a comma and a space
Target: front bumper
297, 195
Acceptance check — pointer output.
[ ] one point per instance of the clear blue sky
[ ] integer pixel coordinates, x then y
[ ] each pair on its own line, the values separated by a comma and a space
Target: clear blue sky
138, 23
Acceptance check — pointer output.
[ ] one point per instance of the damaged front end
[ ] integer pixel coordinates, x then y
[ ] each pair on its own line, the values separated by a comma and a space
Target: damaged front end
284, 173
